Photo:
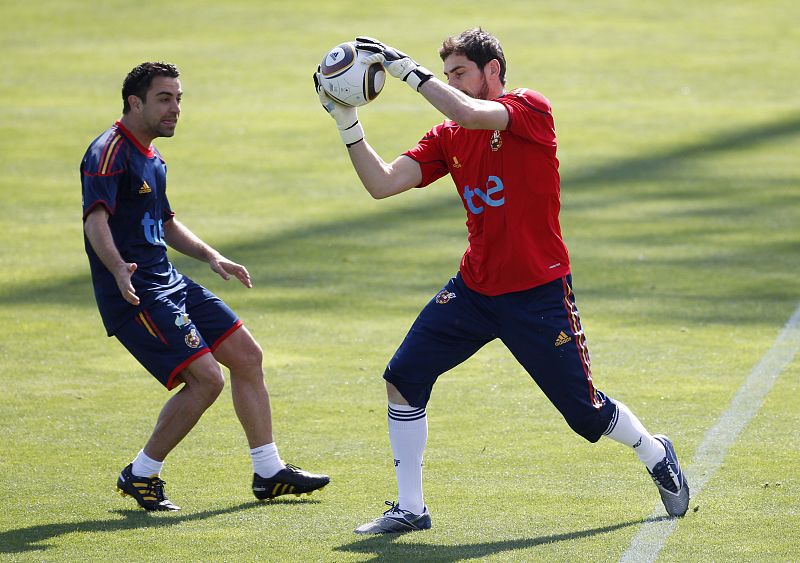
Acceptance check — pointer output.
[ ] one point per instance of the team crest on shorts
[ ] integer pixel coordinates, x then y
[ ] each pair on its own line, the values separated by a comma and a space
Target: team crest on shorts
182, 320
444, 296
192, 339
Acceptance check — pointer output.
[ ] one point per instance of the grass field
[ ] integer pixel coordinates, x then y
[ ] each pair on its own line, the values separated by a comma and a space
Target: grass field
679, 130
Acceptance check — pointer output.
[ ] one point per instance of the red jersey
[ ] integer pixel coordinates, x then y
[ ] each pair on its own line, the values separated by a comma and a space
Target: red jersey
509, 185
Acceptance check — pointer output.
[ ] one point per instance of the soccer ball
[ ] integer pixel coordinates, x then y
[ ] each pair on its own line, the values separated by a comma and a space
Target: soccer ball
346, 78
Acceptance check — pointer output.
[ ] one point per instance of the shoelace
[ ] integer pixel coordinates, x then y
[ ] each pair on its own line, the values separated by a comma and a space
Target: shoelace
292, 468
664, 475
156, 488
395, 508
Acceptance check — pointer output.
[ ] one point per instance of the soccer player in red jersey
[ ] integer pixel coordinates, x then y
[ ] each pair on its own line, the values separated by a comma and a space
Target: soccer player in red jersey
177, 329
514, 282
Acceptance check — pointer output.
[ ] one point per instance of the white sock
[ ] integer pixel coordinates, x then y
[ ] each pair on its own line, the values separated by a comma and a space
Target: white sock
408, 434
145, 466
627, 429
266, 461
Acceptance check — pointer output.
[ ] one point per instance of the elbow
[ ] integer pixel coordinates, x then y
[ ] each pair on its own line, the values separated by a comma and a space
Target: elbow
386, 184
470, 121
474, 115
380, 191
466, 117
91, 222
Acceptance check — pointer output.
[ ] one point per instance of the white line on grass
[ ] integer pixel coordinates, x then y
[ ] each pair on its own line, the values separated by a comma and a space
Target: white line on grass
708, 458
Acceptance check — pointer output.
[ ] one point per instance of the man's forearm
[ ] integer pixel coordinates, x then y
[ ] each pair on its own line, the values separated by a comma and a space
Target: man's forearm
179, 237
379, 178
100, 238
99, 235
470, 113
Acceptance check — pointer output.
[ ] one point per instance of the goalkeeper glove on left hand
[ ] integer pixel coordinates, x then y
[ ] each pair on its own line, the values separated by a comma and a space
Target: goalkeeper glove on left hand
397, 63
346, 117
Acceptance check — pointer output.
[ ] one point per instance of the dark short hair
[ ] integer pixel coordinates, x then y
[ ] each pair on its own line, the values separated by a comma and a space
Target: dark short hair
138, 81
478, 46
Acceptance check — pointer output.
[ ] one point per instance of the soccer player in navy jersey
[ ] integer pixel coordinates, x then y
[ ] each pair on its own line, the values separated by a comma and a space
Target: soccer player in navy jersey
175, 328
514, 282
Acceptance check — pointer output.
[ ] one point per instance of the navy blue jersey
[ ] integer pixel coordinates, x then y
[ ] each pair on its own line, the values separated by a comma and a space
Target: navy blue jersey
130, 181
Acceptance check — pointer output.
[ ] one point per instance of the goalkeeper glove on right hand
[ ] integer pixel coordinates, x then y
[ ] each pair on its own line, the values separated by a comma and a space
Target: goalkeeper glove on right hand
397, 63
346, 117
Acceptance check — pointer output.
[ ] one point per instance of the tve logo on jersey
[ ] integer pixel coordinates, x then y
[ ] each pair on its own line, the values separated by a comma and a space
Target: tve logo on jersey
153, 230
493, 186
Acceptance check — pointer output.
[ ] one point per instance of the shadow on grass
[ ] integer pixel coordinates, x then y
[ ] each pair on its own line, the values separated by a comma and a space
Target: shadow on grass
384, 548
668, 161
33, 538
334, 253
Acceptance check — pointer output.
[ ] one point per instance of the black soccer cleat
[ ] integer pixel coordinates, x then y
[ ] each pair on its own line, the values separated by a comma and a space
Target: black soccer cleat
147, 491
290, 480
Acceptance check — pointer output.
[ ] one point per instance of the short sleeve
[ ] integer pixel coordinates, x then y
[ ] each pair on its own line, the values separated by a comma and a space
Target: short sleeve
530, 116
161, 181
430, 157
102, 169
168, 213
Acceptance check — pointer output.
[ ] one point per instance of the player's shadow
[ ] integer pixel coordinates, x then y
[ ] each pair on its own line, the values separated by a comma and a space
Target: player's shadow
35, 538
385, 548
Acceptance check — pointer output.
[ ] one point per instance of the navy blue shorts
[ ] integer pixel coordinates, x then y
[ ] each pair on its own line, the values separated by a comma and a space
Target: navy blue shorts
167, 335
540, 326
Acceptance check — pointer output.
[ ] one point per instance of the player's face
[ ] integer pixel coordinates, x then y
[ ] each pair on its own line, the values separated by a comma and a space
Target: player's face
463, 74
162, 106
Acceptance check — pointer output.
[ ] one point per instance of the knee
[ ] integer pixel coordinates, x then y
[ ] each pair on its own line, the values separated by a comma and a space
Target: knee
212, 385
592, 425
249, 360
406, 391
591, 432
246, 358
394, 395
206, 382
216, 384
253, 355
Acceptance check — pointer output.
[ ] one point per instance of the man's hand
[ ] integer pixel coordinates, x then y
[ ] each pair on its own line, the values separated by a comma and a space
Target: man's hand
225, 268
123, 279
346, 117
397, 63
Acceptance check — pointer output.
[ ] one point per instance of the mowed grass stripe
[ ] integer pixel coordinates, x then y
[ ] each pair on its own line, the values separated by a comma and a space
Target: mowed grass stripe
708, 458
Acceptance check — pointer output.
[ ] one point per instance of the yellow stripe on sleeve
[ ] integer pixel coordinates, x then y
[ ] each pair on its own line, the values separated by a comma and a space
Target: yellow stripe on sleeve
109, 152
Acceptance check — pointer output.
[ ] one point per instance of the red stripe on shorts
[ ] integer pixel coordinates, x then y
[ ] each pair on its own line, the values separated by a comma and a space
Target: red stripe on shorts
580, 341
183, 365
227, 333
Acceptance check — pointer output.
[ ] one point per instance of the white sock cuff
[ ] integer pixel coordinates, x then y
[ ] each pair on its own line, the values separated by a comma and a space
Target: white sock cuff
406, 413
266, 449
614, 419
145, 466
266, 461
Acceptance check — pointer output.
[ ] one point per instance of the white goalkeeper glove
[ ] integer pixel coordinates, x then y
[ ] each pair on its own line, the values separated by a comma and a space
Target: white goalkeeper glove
396, 63
346, 117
